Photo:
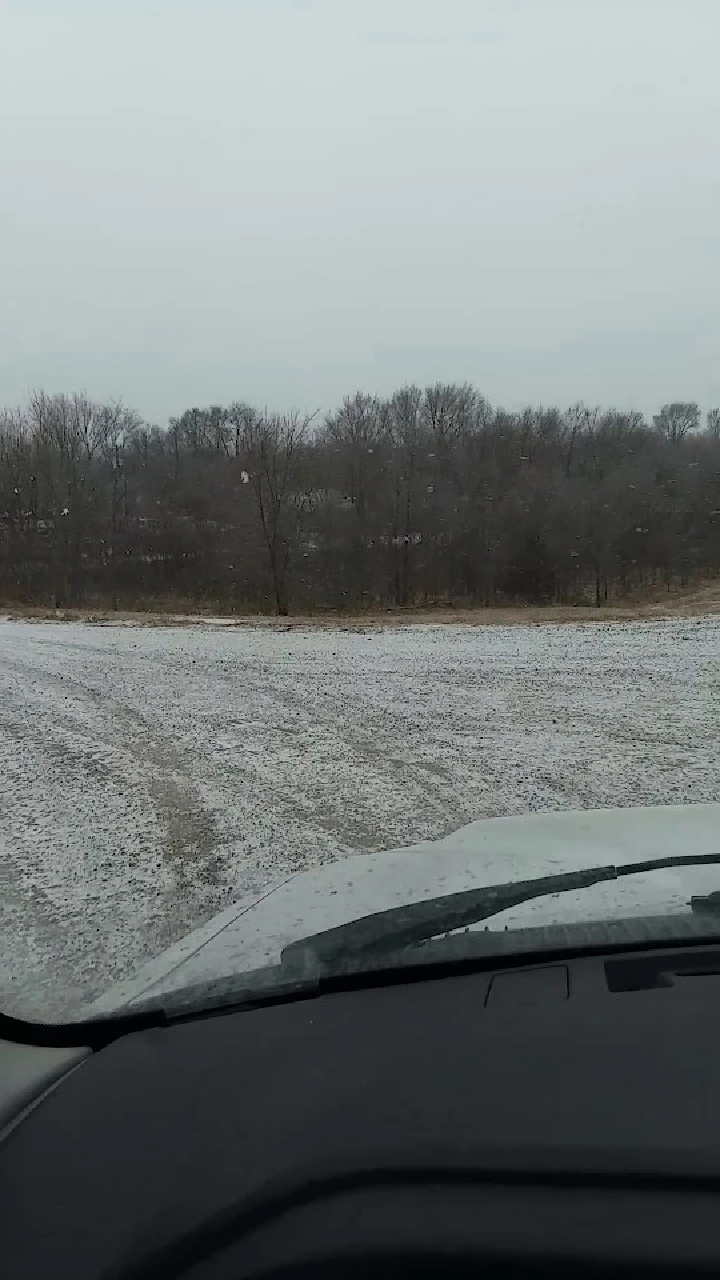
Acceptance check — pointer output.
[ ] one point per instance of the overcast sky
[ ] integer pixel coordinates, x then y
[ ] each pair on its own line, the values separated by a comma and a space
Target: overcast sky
283, 201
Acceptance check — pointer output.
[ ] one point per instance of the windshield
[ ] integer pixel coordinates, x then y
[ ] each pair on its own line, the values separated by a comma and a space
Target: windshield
359, 476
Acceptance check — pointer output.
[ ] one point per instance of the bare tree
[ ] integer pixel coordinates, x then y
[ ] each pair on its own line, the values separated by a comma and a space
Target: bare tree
675, 420
404, 425
273, 447
354, 436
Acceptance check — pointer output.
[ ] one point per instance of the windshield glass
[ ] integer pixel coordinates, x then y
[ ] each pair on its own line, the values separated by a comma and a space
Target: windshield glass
359, 476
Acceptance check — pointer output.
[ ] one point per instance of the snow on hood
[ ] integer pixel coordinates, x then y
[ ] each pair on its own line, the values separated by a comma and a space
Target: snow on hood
253, 931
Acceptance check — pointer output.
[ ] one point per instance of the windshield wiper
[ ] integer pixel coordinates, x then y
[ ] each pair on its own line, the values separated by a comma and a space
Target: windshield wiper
306, 966
419, 922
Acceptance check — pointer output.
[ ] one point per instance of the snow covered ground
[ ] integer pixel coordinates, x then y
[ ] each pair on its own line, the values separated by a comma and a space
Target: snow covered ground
150, 776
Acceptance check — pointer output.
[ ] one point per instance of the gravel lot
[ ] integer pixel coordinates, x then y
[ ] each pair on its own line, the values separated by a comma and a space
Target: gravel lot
149, 776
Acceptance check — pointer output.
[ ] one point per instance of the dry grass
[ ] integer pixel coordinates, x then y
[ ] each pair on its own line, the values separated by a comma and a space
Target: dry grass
692, 602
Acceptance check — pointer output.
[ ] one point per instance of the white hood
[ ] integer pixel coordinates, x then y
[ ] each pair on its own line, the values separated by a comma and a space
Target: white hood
252, 932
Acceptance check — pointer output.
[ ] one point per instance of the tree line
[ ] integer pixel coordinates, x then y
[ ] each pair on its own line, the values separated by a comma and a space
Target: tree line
429, 496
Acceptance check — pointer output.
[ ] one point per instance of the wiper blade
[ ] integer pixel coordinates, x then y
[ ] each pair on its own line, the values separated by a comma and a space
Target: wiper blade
418, 922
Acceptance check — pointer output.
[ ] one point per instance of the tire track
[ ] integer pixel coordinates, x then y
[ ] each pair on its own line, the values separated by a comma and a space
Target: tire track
189, 826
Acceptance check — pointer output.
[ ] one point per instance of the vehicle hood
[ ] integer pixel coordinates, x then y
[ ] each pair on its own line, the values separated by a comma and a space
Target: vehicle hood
252, 932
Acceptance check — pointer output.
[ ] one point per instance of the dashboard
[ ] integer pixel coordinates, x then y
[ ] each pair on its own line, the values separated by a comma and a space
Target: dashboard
549, 1117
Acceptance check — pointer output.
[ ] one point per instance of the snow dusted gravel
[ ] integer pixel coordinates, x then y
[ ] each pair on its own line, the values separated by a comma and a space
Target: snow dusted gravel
149, 776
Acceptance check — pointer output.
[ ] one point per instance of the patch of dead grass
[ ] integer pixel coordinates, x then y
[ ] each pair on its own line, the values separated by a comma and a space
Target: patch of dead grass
693, 602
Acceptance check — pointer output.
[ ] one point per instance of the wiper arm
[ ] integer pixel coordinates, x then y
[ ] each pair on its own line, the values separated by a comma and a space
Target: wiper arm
420, 921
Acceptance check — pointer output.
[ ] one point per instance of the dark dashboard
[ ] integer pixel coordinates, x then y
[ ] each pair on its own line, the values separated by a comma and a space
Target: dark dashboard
544, 1118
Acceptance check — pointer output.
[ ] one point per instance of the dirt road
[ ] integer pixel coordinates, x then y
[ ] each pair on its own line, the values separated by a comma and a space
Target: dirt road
149, 775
